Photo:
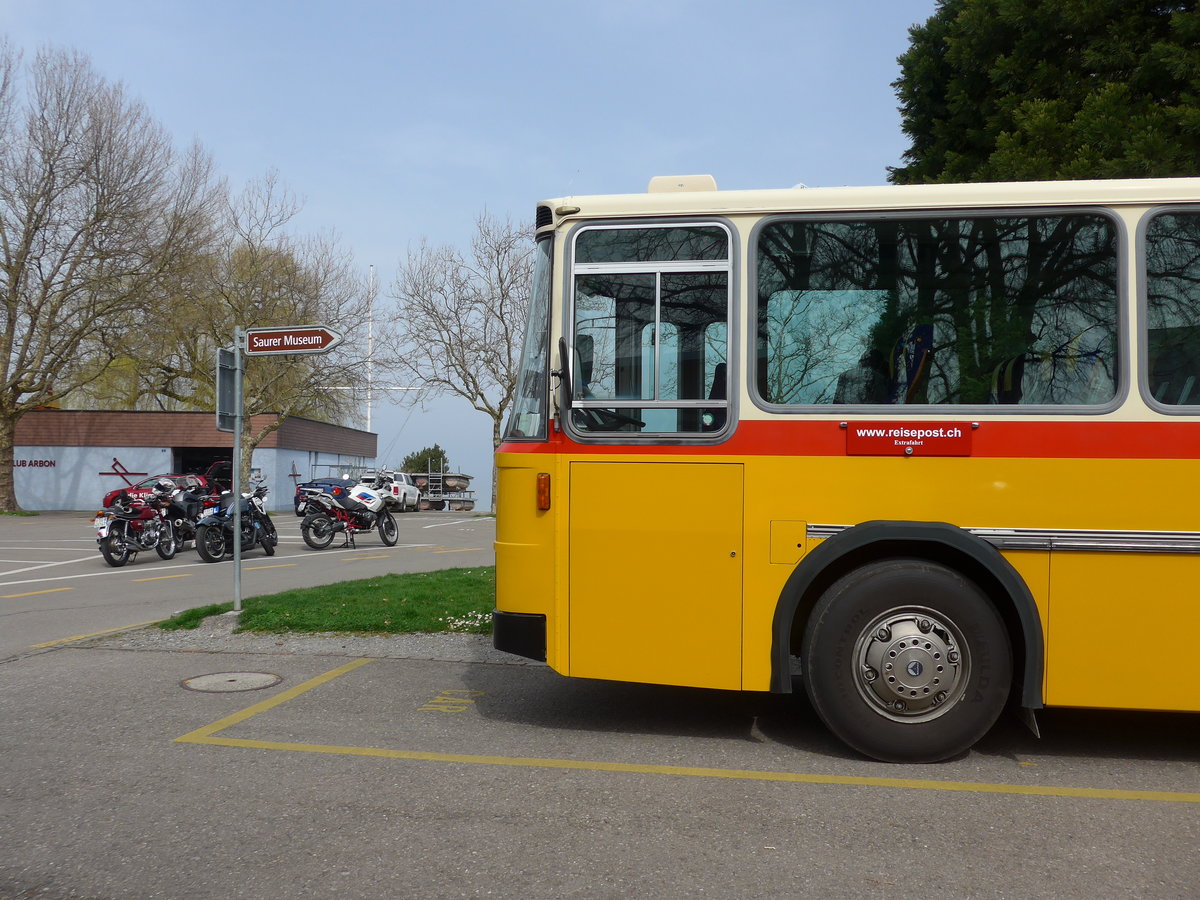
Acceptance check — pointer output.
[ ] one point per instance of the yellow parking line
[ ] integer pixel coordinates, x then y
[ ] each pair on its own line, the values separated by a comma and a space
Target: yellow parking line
282, 697
697, 772
161, 577
276, 566
35, 593
463, 550
208, 735
81, 637
357, 558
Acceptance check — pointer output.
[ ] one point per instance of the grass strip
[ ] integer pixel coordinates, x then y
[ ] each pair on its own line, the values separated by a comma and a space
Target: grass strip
459, 600
191, 618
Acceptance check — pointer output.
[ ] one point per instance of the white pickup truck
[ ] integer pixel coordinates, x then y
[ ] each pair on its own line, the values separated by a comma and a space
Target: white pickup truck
400, 492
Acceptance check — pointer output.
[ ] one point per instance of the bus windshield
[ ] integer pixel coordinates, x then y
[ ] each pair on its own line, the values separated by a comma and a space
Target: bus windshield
530, 415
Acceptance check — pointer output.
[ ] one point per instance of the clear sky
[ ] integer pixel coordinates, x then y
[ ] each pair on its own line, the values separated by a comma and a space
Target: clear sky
398, 121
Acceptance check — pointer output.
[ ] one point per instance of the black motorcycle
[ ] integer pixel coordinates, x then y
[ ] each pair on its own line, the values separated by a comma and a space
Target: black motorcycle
214, 533
183, 511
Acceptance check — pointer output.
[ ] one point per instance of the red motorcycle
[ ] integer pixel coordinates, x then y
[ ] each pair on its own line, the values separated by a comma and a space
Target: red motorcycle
130, 526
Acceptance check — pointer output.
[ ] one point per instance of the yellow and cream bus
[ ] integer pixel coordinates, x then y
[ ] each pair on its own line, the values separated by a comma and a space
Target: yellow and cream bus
923, 452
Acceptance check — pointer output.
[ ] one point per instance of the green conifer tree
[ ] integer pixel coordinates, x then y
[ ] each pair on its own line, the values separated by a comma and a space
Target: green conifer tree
1012, 90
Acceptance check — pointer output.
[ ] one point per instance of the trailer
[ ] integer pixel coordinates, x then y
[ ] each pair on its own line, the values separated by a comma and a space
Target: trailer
445, 490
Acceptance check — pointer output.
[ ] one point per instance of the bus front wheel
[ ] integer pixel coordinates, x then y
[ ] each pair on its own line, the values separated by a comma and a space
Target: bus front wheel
906, 661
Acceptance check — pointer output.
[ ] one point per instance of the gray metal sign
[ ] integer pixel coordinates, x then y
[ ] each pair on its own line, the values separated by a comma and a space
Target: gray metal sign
227, 388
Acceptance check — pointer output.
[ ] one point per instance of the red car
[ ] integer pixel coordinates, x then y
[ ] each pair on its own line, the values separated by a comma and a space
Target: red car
143, 488
215, 480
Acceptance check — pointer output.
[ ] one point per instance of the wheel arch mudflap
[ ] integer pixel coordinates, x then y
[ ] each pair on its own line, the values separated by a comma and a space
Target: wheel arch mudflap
937, 541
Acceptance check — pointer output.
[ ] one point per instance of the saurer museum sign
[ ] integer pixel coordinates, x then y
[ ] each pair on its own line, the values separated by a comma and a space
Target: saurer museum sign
290, 339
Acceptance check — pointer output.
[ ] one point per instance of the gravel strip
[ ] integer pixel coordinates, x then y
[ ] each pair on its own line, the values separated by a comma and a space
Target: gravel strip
215, 635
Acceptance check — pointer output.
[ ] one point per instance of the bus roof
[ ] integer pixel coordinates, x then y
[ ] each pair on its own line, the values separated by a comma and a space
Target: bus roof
697, 194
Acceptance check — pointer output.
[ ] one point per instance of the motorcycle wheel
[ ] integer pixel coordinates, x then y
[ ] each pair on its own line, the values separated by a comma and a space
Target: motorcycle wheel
168, 544
269, 537
114, 550
249, 533
388, 532
210, 543
317, 530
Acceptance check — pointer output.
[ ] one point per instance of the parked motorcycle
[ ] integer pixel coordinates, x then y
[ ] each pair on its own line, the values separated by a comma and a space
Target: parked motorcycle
358, 510
400, 492
184, 511
214, 533
130, 525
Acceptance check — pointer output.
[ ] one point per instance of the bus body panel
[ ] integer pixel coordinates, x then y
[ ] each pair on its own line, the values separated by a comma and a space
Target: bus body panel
526, 570
656, 572
1123, 632
630, 572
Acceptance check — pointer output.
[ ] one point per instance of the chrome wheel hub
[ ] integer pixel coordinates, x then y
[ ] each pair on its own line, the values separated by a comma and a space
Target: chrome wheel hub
911, 664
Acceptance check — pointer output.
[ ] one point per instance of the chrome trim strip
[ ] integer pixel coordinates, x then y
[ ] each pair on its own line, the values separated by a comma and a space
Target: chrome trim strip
820, 532
1111, 541
632, 403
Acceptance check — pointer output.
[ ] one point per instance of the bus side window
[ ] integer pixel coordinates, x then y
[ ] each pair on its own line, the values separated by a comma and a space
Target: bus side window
1173, 376
867, 382
714, 419
1172, 307
585, 356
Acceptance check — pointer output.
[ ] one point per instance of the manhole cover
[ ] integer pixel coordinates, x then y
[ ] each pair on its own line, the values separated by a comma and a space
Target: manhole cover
227, 682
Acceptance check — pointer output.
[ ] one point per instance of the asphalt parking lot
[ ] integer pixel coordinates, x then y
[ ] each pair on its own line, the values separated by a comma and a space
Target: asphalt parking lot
54, 584
442, 771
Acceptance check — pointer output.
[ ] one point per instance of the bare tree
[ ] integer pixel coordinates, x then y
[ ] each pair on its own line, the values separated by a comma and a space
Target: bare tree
266, 276
258, 274
96, 211
459, 320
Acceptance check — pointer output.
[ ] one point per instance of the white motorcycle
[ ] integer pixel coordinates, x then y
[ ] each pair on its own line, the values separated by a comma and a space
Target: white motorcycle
354, 511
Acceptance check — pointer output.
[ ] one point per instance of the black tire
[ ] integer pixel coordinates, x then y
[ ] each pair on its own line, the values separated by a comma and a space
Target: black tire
168, 544
317, 531
114, 550
388, 532
249, 533
210, 543
907, 661
269, 538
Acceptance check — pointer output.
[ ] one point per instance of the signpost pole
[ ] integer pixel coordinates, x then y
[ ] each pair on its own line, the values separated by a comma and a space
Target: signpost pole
289, 339
239, 341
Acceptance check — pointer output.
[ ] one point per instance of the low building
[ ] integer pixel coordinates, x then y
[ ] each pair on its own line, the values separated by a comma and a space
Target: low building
69, 459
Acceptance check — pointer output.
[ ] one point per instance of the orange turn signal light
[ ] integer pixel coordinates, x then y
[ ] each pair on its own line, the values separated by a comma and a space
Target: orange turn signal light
543, 490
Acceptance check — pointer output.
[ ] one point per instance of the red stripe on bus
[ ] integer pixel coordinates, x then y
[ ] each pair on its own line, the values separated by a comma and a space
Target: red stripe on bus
1163, 439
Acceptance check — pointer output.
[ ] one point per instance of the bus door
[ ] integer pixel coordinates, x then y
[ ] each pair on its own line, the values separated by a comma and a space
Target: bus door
656, 572
655, 530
